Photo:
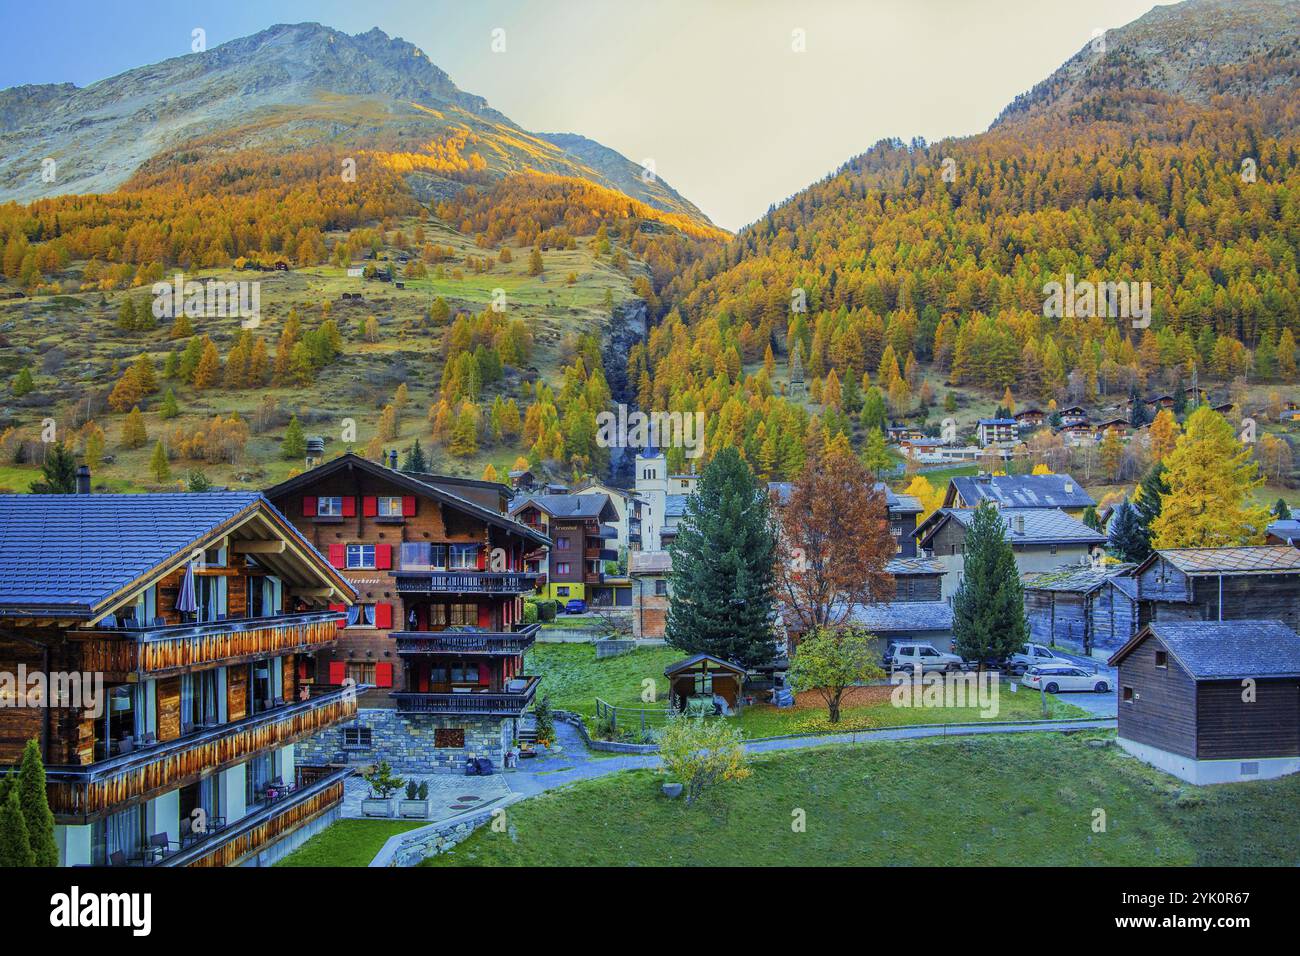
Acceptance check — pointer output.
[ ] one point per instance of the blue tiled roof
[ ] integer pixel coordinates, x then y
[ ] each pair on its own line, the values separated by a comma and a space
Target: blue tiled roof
1232, 650
68, 553
674, 506
1024, 491
997, 421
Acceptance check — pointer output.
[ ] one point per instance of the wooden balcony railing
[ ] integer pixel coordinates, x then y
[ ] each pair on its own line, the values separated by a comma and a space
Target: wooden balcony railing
79, 794
156, 651
495, 643
500, 703
263, 826
464, 582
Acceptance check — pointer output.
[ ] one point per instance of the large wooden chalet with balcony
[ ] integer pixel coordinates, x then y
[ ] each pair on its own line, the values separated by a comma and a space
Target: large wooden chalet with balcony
159, 648
438, 625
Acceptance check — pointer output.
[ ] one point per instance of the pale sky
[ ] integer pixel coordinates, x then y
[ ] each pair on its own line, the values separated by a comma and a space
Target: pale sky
711, 90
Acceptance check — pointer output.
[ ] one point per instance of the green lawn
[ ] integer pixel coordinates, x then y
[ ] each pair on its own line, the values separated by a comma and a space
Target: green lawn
347, 843
975, 801
573, 678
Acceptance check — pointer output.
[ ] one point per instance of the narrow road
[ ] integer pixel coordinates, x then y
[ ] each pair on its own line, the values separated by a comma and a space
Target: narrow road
575, 762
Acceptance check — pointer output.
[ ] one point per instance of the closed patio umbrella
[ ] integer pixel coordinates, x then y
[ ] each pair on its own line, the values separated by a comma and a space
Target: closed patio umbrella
186, 602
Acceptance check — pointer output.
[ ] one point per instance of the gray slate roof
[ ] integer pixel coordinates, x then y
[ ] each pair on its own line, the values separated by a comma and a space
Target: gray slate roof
1082, 578
1288, 530
565, 506
1231, 650
674, 506
894, 616
1262, 559
1041, 526
915, 566
70, 552
1024, 491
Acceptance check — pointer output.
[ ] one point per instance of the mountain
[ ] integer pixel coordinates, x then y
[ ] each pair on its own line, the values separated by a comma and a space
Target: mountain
285, 89
910, 285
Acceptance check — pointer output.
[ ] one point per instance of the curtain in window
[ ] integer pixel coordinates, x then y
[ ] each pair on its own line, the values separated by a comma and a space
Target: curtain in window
187, 697
208, 697
123, 832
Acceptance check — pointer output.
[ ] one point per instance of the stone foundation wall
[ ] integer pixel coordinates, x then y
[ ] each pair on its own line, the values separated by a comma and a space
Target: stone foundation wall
407, 741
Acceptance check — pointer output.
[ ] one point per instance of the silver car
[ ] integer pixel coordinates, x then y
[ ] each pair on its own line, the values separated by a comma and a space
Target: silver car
1056, 679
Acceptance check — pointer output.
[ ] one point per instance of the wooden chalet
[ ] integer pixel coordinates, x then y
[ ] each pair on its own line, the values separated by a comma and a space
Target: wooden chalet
438, 628
1212, 701
1220, 584
582, 532
163, 647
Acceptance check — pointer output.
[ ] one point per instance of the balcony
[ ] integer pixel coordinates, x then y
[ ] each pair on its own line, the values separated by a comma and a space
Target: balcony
79, 794
489, 703
158, 651
465, 582
264, 825
491, 643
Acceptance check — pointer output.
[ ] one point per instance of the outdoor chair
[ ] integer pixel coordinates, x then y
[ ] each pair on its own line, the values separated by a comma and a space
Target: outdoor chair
117, 858
160, 844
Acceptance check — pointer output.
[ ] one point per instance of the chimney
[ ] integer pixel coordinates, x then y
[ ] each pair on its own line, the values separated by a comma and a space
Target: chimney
392, 459
1069, 488
315, 450
83, 479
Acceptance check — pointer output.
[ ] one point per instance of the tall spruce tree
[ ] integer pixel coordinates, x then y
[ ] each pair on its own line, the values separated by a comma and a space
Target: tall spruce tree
295, 442
15, 846
1281, 510
1151, 491
59, 473
35, 806
416, 462
988, 611
1128, 539
722, 578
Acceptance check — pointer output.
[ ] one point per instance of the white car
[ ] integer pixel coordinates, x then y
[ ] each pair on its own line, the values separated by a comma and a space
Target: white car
1056, 679
908, 656
1036, 655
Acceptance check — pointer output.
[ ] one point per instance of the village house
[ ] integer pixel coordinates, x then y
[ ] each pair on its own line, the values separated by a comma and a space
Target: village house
202, 615
997, 431
438, 626
901, 511
1212, 701
1042, 539
1119, 427
581, 529
1220, 584
1284, 532
650, 573
1019, 491
628, 507
1074, 415
1077, 435
1028, 419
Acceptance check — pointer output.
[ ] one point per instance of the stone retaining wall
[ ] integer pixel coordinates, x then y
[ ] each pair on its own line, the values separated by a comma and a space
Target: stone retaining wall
408, 849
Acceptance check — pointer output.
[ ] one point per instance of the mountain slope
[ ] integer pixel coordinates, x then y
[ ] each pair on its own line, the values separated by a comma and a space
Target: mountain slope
284, 89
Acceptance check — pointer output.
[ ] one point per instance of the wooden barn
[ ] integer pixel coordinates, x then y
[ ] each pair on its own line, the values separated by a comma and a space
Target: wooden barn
1212, 701
1091, 610
1220, 584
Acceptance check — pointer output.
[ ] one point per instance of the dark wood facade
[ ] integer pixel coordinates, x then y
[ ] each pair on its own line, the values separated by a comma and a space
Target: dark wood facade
1167, 593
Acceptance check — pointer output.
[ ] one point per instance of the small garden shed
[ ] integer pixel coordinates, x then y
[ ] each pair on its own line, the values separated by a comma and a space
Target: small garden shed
704, 676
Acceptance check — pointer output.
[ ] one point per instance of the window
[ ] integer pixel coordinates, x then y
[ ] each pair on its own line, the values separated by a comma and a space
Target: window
661, 588
361, 672
449, 737
1127, 695
330, 507
390, 507
464, 674
562, 567
464, 556
561, 592
361, 556
562, 544
463, 615
1162, 658
361, 615
356, 736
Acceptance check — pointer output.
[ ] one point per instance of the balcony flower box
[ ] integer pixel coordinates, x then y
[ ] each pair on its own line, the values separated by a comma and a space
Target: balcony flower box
377, 807
415, 806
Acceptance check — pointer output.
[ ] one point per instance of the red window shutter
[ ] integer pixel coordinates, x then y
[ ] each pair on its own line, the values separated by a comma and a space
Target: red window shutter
369, 506
309, 507
338, 672
343, 608
482, 559
383, 615
338, 556
485, 616
349, 506
483, 674
383, 556
408, 506
383, 675
304, 669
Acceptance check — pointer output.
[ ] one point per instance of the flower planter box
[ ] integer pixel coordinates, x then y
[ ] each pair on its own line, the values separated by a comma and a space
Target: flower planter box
413, 809
377, 807
672, 790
